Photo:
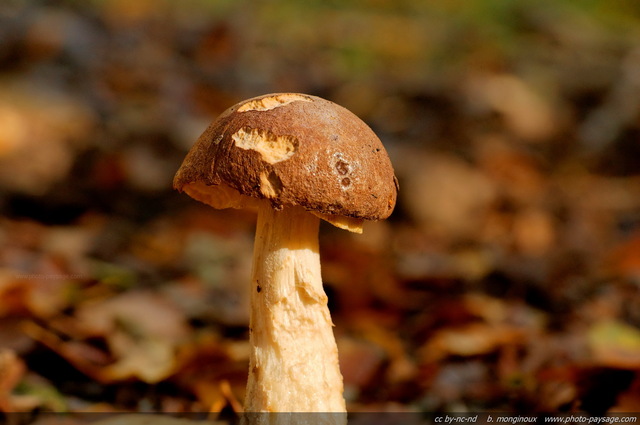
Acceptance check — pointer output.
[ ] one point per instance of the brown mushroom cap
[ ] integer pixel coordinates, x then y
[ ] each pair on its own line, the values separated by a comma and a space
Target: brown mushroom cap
291, 149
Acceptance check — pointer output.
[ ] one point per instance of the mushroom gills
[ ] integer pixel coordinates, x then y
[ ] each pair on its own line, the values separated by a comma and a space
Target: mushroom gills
342, 222
222, 196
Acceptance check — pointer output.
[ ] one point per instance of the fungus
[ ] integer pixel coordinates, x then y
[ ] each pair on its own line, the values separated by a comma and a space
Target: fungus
295, 159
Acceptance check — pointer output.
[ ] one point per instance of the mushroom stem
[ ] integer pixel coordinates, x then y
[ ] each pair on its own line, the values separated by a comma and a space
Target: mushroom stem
294, 359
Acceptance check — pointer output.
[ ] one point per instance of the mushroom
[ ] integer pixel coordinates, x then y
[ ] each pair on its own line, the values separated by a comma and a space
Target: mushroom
295, 159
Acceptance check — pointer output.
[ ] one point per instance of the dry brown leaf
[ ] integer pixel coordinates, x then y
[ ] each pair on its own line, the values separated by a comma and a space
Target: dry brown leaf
12, 337
141, 313
553, 395
534, 232
490, 309
149, 360
80, 355
359, 362
42, 293
445, 194
217, 395
470, 340
514, 172
498, 311
214, 370
40, 134
526, 112
401, 366
143, 331
12, 369
502, 324
625, 259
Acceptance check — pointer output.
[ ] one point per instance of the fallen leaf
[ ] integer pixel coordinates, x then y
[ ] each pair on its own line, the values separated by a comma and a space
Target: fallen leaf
476, 324
625, 259
42, 293
142, 330
469, 340
534, 232
359, 362
137, 312
526, 112
401, 367
446, 195
12, 368
217, 395
214, 370
42, 131
515, 173
12, 337
36, 392
615, 344
76, 353
149, 360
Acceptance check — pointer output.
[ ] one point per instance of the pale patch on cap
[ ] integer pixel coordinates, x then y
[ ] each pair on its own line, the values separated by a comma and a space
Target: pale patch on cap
272, 148
272, 102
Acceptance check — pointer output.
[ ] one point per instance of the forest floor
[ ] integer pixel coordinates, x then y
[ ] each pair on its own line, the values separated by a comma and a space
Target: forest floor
507, 279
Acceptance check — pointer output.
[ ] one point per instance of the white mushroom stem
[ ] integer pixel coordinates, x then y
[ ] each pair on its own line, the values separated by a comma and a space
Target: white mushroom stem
294, 359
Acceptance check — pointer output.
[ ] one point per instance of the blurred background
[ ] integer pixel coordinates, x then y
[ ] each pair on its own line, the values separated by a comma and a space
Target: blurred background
507, 279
